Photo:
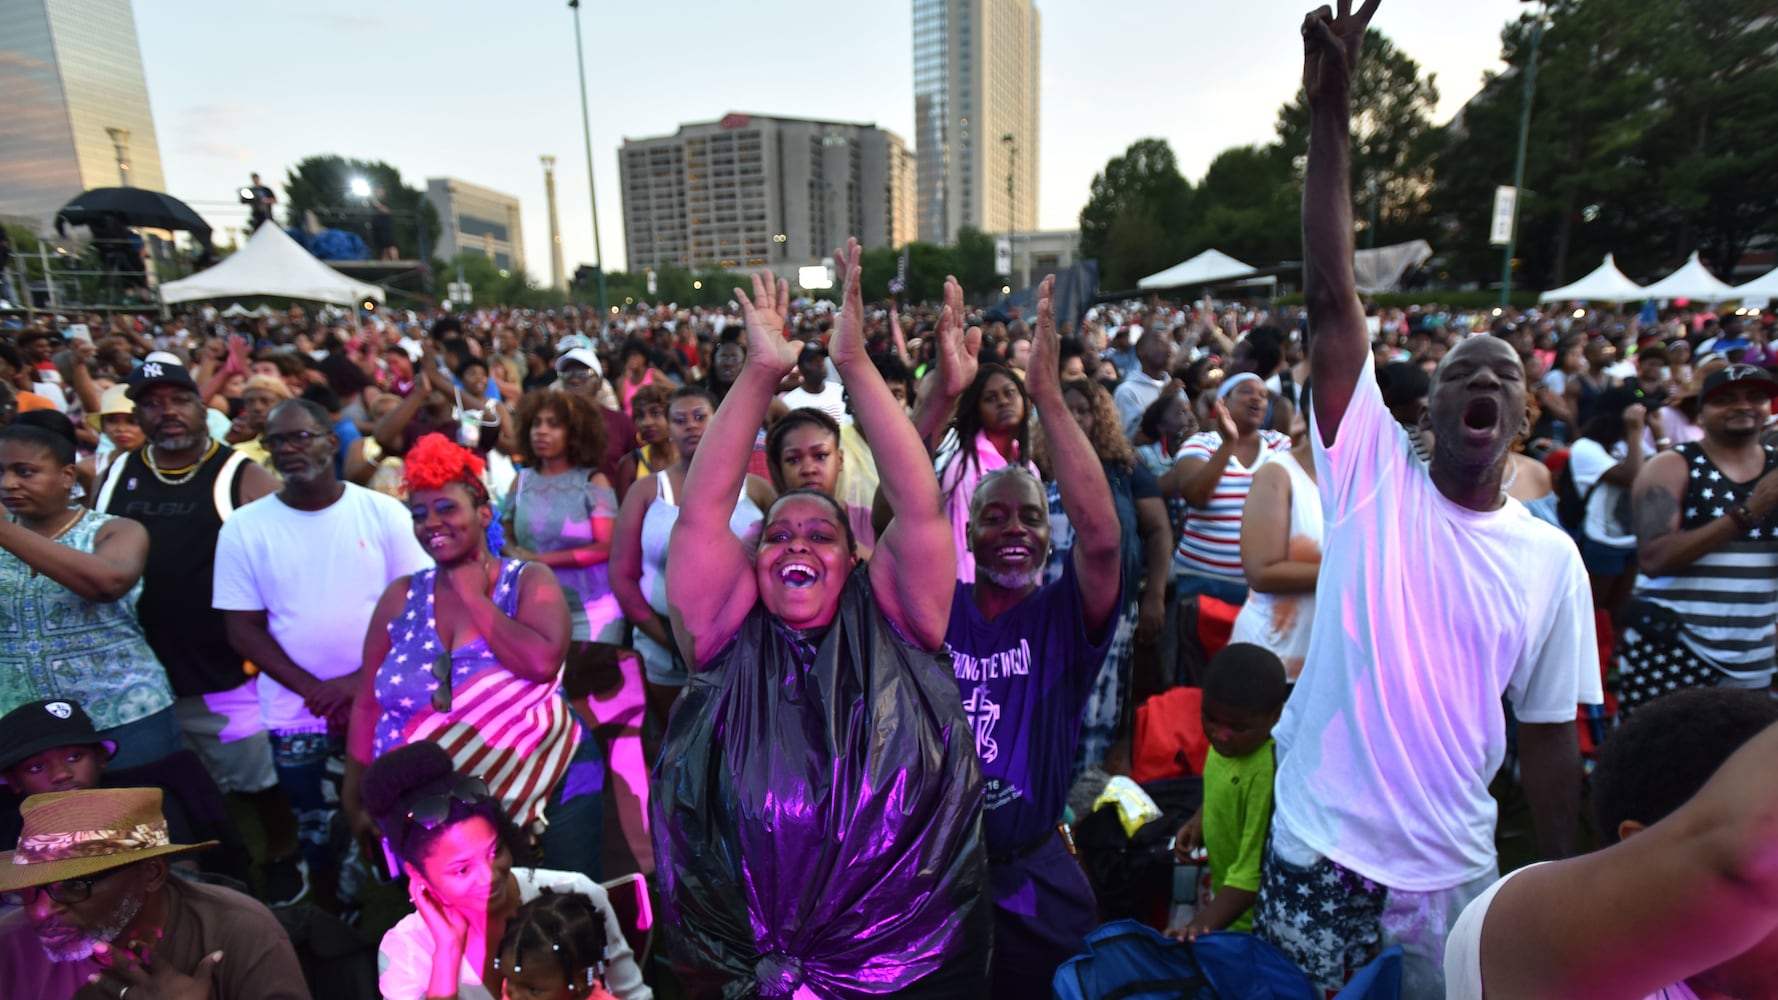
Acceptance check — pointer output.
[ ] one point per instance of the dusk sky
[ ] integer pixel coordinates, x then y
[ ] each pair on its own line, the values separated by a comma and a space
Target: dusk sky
478, 91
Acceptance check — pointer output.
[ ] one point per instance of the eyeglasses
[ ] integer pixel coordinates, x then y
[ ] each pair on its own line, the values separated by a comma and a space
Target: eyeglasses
430, 812
578, 376
300, 439
441, 671
67, 892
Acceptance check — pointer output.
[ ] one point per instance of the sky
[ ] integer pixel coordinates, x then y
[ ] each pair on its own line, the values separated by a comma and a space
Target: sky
477, 91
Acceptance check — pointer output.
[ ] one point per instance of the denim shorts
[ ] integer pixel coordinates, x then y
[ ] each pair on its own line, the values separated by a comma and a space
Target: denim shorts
1605, 560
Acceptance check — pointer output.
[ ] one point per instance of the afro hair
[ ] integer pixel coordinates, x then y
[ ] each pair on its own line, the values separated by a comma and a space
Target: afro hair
1668, 750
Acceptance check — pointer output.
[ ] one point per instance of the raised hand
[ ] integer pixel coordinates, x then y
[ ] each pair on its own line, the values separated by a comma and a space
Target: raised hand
848, 345
1225, 423
1330, 50
957, 348
1043, 372
765, 314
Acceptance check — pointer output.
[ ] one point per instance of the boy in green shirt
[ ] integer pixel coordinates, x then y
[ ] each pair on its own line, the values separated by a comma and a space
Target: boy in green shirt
1244, 692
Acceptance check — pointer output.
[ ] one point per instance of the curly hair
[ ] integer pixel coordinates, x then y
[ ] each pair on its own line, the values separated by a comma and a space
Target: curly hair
579, 416
653, 394
435, 462
568, 925
802, 416
1108, 439
403, 776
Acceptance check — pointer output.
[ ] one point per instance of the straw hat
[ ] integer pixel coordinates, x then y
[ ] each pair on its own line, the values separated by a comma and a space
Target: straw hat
115, 400
76, 834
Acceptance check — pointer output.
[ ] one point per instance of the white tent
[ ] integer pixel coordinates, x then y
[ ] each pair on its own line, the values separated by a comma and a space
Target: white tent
1208, 268
1381, 269
1605, 284
1759, 292
271, 264
1691, 281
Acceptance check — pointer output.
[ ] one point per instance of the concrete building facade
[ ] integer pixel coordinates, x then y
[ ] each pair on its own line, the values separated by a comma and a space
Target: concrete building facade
477, 220
754, 190
976, 114
76, 112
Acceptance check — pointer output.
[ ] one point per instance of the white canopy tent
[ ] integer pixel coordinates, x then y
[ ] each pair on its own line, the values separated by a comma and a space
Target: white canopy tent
271, 264
1381, 269
1691, 281
1759, 293
1208, 268
1605, 284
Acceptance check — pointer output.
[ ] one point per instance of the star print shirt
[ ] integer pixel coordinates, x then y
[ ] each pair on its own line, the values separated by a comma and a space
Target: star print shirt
516, 735
1728, 598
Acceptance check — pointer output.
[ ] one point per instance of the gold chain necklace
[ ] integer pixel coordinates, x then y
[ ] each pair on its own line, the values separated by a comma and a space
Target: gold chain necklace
178, 480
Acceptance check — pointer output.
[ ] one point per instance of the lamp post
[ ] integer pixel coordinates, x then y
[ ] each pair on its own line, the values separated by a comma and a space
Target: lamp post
120, 144
556, 276
1012, 205
587, 130
1512, 235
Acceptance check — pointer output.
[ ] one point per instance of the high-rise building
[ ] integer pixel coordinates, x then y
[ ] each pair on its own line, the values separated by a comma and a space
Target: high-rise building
752, 191
976, 115
75, 113
477, 220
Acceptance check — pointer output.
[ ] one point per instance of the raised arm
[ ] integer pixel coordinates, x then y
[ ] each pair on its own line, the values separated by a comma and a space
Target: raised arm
1338, 340
956, 368
914, 566
710, 584
1688, 893
1080, 476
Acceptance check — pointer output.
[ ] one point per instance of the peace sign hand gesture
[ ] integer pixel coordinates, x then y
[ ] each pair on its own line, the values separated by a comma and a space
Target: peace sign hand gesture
1330, 51
765, 314
957, 349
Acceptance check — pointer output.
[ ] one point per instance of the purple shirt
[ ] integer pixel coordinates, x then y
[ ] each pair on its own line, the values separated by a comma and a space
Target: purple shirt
1024, 678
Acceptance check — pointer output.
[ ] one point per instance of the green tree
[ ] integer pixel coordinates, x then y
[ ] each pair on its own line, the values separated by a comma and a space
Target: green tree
323, 185
1248, 205
1142, 200
928, 266
1393, 141
878, 266
974, 251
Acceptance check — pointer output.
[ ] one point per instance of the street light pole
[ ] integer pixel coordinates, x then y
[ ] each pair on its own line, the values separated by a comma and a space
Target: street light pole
1512, 234
1012, 209
120, 144
587, 130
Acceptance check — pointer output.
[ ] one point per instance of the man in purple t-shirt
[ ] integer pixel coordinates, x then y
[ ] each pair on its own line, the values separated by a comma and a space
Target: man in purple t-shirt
1025, 658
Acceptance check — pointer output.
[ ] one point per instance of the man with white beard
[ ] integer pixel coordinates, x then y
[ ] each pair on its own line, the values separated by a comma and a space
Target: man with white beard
100, 914
1025, 658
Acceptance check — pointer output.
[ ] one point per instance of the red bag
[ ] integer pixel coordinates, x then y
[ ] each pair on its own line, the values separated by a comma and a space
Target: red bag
1170, 740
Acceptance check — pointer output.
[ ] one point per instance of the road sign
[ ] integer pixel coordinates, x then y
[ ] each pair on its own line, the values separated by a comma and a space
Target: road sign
459, 291
1500, 231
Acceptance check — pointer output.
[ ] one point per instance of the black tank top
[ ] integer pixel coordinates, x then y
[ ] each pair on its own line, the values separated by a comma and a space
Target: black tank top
183, 521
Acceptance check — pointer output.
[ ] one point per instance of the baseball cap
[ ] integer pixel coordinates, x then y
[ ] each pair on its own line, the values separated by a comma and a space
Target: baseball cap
37, 726
1746, 375
571, 341
156, 372
580, 355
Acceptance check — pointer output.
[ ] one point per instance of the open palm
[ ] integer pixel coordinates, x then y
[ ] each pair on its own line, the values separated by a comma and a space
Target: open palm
765, 314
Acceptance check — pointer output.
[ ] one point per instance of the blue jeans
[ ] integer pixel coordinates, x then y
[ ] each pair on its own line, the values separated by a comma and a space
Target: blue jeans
574, 840
145, 740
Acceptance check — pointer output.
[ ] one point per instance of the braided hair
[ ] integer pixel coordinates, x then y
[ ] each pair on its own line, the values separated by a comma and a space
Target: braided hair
568, 924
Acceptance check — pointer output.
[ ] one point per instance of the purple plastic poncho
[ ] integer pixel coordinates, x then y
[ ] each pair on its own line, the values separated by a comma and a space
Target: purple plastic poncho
817, 817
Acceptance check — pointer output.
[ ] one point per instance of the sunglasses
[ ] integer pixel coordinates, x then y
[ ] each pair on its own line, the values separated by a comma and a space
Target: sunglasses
430, 812
441, 671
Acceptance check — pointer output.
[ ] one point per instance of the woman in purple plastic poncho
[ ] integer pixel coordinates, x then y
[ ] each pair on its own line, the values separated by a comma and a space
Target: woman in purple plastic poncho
818, 797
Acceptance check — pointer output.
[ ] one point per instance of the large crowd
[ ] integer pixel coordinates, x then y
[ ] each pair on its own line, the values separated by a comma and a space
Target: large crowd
890, 586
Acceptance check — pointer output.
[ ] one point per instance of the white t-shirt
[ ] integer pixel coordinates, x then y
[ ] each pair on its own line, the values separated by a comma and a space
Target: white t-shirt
830, 400
404, 960
318, 575
1134, 395
1426, 612
1463, 952
1589, 461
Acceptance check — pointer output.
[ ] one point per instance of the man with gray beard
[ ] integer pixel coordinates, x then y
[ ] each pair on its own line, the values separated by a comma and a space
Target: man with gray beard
298, 575
100, 916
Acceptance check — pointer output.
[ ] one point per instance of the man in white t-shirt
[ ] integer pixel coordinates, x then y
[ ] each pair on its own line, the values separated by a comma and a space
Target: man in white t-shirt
817, 391
1142, 385
1438, 595
298, 575
1683, 902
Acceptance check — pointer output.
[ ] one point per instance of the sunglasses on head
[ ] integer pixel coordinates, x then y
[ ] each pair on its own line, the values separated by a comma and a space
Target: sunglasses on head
430, 812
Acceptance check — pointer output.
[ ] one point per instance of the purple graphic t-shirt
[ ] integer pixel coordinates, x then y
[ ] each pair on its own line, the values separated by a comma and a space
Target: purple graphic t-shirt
1024, 678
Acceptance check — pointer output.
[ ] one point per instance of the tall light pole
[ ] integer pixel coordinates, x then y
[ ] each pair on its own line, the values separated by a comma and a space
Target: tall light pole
1012, 208
1512, 235
587, 130
555, 229
120, 144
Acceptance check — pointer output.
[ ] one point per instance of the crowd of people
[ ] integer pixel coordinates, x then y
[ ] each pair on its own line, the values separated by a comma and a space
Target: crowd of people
889, 582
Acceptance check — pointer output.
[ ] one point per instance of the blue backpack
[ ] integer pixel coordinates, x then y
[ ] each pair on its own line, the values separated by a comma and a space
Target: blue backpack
1126, 960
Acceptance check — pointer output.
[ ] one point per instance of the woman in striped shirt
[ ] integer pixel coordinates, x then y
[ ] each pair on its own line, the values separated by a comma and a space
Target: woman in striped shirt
1213, 473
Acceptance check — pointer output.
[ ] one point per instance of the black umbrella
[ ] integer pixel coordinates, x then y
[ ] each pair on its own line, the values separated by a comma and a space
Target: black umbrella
133, 207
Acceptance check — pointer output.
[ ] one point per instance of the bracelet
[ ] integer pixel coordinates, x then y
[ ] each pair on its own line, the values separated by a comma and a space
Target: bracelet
1664, 443
1742, 517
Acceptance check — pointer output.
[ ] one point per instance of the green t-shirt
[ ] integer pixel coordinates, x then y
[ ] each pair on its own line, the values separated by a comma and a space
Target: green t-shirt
1237, 814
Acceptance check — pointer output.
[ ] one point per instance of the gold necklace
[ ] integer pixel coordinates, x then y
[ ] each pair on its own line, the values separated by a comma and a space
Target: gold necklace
176, 480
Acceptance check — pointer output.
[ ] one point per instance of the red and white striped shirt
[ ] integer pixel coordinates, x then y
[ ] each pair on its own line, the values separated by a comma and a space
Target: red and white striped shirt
1210, 545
